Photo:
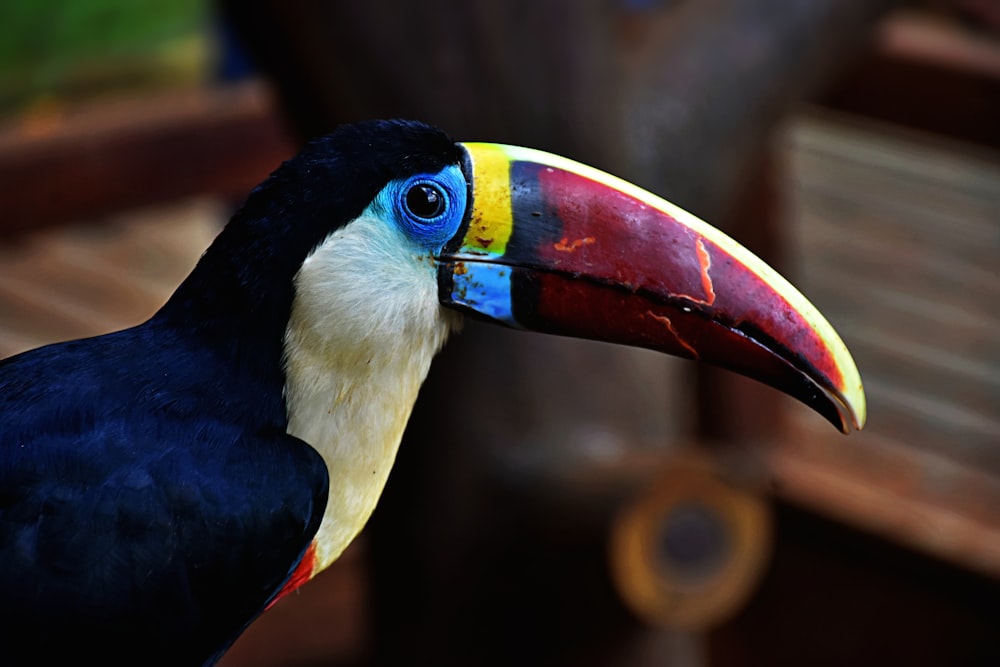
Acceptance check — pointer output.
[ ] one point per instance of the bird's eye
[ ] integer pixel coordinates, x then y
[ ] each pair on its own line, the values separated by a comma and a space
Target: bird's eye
425, 201
428, 208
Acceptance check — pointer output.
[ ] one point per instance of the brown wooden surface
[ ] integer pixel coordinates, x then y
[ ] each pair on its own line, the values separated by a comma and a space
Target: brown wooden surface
835, 596
82, 280
76, 164
920, 495
930, 74
896, 238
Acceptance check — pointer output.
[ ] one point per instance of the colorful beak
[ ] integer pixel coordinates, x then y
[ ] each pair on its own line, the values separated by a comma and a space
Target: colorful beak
555, 246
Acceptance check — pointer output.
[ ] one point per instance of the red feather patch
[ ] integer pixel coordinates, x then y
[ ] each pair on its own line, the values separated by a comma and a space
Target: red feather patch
302, 573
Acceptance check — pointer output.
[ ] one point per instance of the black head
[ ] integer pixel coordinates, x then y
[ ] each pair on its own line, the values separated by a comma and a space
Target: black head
250, 267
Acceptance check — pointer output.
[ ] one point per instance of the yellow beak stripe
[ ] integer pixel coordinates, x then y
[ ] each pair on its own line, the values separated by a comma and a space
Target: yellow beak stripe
492, 217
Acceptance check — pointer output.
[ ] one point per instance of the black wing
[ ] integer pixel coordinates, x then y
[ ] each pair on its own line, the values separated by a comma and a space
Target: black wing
140, 536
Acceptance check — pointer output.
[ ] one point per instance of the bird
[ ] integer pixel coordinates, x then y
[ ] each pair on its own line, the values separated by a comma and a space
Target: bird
163, 485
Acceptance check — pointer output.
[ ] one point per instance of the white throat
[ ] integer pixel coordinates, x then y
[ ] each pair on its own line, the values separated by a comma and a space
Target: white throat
362, 333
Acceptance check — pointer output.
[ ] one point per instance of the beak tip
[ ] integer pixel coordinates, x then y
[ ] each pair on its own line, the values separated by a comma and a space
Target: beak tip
859, 414
854, 409
661, 253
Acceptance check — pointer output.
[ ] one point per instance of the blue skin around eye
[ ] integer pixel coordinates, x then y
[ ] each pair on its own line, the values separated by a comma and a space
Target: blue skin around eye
430, 234
482, 287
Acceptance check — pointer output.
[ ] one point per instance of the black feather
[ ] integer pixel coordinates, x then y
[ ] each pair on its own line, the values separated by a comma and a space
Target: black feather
151, 502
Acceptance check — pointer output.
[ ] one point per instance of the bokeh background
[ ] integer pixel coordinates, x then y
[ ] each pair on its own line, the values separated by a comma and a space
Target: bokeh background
853, 143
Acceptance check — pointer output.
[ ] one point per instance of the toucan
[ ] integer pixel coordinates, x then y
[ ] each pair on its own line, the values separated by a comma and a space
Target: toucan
163, 485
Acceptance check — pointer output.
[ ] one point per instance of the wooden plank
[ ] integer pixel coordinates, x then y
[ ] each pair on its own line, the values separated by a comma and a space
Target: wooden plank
885, 487
117, 155
835, 596
81, 280
897, 236
927, 74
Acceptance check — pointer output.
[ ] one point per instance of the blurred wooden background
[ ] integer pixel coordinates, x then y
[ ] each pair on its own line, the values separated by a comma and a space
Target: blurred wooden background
871, 177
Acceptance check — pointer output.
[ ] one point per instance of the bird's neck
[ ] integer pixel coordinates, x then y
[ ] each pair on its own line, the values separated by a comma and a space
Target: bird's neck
356, 424
236, 303
355, 357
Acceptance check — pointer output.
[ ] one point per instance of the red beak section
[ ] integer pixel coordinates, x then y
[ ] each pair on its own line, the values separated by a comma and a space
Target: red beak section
554, 246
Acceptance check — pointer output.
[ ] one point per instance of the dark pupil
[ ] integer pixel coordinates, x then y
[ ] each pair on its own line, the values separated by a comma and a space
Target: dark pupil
424, 201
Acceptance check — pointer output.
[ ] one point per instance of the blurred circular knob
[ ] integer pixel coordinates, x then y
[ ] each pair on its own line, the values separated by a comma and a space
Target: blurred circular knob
688, 552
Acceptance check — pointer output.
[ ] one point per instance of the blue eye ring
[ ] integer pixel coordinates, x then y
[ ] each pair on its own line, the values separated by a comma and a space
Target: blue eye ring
427, 208
424, 200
